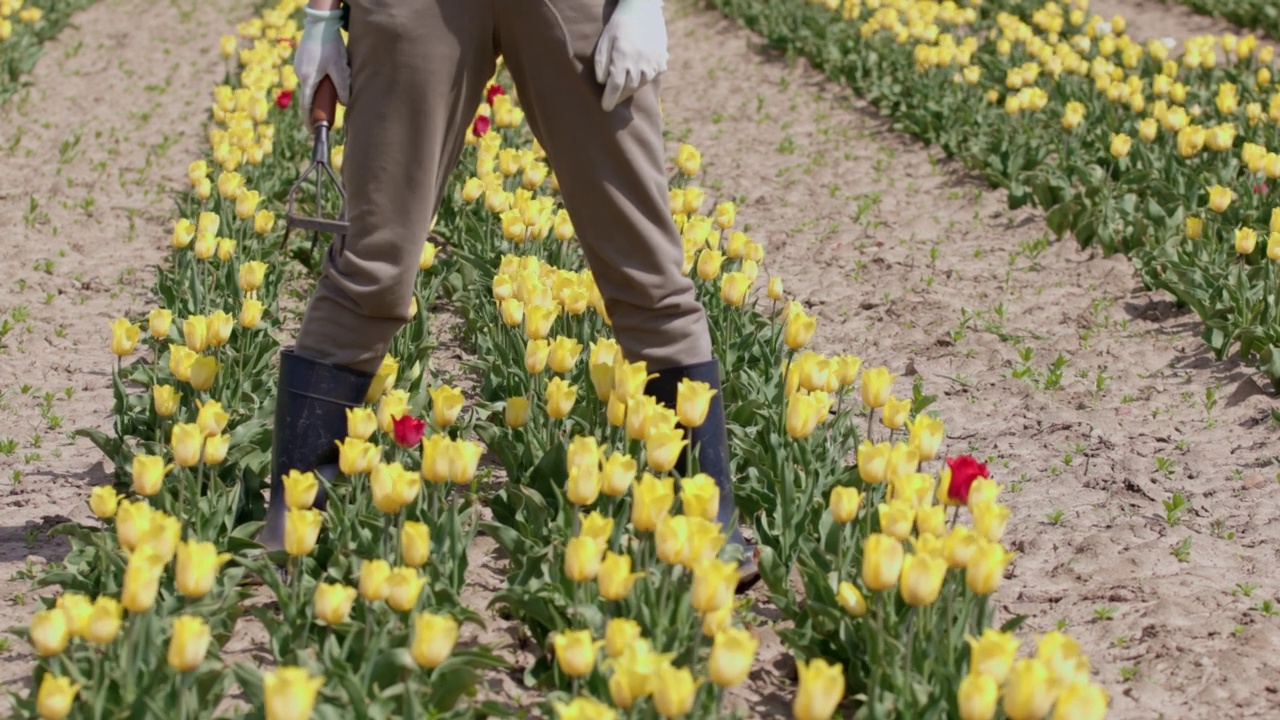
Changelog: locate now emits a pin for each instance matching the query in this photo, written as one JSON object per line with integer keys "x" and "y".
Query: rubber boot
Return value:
{"x": 311, "y": 418}
{"x": 711, "y": 442}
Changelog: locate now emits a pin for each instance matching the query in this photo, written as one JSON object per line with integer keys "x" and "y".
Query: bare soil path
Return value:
{"x": 91, "y": 153}
{"x": 910, "y": 264}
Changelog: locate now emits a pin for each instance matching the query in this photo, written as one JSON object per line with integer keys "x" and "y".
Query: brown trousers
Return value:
{"x": 419, "y": 69}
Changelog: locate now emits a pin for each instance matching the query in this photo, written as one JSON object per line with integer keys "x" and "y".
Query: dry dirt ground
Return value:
{"x": 908, "y": 263}
{"x": 90, "y": 152}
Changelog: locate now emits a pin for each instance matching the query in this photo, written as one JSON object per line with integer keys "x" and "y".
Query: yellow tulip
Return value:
{"x": 356, "y": 457}
{"x": 614, "y": 579}
{"x": 903, "y": 460}
{"x": 931, "y": 520}
{"x": 211, "y": 419}
{"x": 616, "y": 411}
{"x": 629, "y": 379}
{"x": 989, "y": 520}
{"x": 383, "y": 380}
{"x": 302, "y": 530}
{"x": 1081, "y": 701}
{"x": 203, "y": 372}
{"x": 180, "y": 362}
{"x": 300, "y": 489}
{"x": 851, "y": 599}
{"x": 1148, "y": 129}
{"x": 1120, "y": 145}
{"x": 195, "y": 333}
{"x": 142, "y": 579}
{"x": 515, "y": 413}
{"x": 582, "y": 557}
{"x": 219, "y": 326}
{"x": 774, "y": 289}
{"x": 104, "y": 619}
{"x": 48, "y": 632}
{"x": 1219, "y": 198}
{"x": 76, "y": 609}
{"x": 896, "y": 518}
{"x": 985, "y": 568}
{"x": 734, "y": 287}
{"x": 802, "y": 415}
{"x": 433, "y": 639}
{"x": 1027, "y": 693}
{"x": 993, "y": 653}
{"x": 263, "y": 221}
{"x": 576, "y": 652}
{"x": 583, "y": 708}
{"x": 187, "y": 443}
{"x": 688, "y": 159}
{"x": 674, "y": 691}
{"x": 895, "y": 413}
{"x": 189, "y": 643}
{"x": 373, "y": 579}
{"x": 662, "y": 448}
{"x": 693, "y": 401}
{"x": 921, "y": 580}
{"x": 798, "y": 329}
{"x": 672, "y": 539}
{"x": 1195, "y": 228}
{"x": 651, "y": 501}
{"x": 925, "y": 436}
{"x": 882, "y": 558}
{"x": 159, "y": 321}
{"x": 183, "y": 232}
{"x": 333, "y": 603}
{"x": 563, "y": 354}
{"x": 133, "y": 520}
{"x": 290, "y": 693}
{"x": 732, "y": 653}
{"x": 53, "y": 700}
{"x": 709, "y": 262}
{"x": 821, "y": 688}
{"x": 536, "y": 354}
{"x": 124, "y": 336}
{"x": 1273, "y": 246}
{"x": 560, "y": 398}
{"x": 959, "y": 546}
{"x": 876, "y": 385}
{"x": 699, "y": 497}
{"x": 437, "y": 453}
{"x": 196, "y": 568}
{"x": 404, "y": 585}
{"x": 978, "y": 697}
{"x": 538, "y": 318}
{"x": 165, "y": 400}
{"x": 873, "y": 461}
{"x": 1246, "y": 240}
{"x": 415, "y": 543}
{"x": 619, "y": 633}
{"x": 393, "y": 405}
{"x": 714, "y": 582}
{"x": 103, "y": 501}
{"x": 617, "y": 474}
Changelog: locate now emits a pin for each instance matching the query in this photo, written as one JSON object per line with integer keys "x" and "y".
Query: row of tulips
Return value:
{"x": 1172, "y": 159}
{"x": 1261, "y": 15}
{"x": 615, "y": 567}
{"x": 25, "y": 25}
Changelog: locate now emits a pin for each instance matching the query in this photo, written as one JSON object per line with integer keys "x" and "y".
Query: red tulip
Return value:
{"x": 481, "y": 126}
{"x": 494, "y": 91}
{"x": 284, "y": 98}
{"x": 964, "y": 470}
{"x": 408, "y": 430}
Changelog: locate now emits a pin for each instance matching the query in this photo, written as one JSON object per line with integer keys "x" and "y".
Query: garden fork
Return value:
{"x": 323, "y": 110}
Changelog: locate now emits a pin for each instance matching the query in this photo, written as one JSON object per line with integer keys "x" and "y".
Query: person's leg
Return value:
{"x": 418, "y": 71}
{"x": 611, "y": 170}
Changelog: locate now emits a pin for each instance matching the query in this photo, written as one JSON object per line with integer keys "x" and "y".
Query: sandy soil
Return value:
{"x": 90, "y": 154}
{"x": 908, "y": 263}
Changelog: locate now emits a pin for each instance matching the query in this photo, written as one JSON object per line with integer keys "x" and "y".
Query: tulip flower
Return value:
{"x": 158, "y": 322}
{"x": 671, "y": 539}
{"x": 693, "y": 400}
{"x": 993, "y": 653}
{"x": 662, "y": 448}
{"x": 290, "y": 693}
{"x": 219, "y": 326}
{"x": 774, "y": 289}
{"x": 189, "y": 643}
{"x": 714, "y": 582}
{"x": 575, "y": 652}
{"x": 55, "y": 696}
{"x": 921, "y": 579}
{"x": 356, "y": 457}
{"x": 1246, "y": 240}
{"x": 515, "y": 413}
{"x": 302, "y": 530}
{"x": 407, "y": 430}
{"x": 165, "y": 400}
{"x": 103, "y": 501}
{"x": 187, "y": 443}
{"x": 383, "y": 380}
{"x": 433, "y": 639}
{"x": 629, "y": 379}
{"x": 989, "y": 520}
{"x": 1120, "y": 145}
{"x": 1081, "y": 701}
{"x": 404, "y": 585}
{"x": 415, "y": 543}
{"x": 1220, "y": 198}
{"x": 104, "y": 619}
{"x": 896, "y": 518}
{"x": 392, "y": 405}
{"x": 895, "y": 413}
{"x": 1028, "y": 693}
{"x": 446, "y": 403}
{"x": 48, "y": 632}
{"x": 538, "y": 318}
{"x": 142, "y": 579}
{"x": 821, "y": 688}
{"x": 333, "y": 603}
{"x": 844, "y": 503}
{"x": 700, "y": 497}
{"x": 563, "y": 354}
{"x": 583, "y": 708}
{"x": 76, "y": 609}
{"x": 183, "y": 232}
{"x": 250, "y": 313}
{"x": 674, "y": 691}
{"x": 851, "y": 599}
{"x": 619, "y": 633}
{"x": 798, "y": 329}
{"x": 582, "y": 557}
{"x": 615, "y": 579}
{"x": 985, "y": 568}
{"x": 196, "y": 568}
{"x": 300, "y": 489}
{"x": 732, "y": 653}
{"x": 978, "y": 697}
{"x": 464, "y": 460}
{"x": 373, "y": 579}
{"x": 124, "y": 336}
{"x": 882, "y": 558}
{"x": 560, "y": 398}
{"x": 876, "y": 385}
{"x": 931, "y": 520}
{"x": 203, "y": 371}
{"x": 652, "y": 500}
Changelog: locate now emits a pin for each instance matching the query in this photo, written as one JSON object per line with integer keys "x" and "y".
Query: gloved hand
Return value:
{"x": 632, "y": 50}
{"x": 321, "y": 52}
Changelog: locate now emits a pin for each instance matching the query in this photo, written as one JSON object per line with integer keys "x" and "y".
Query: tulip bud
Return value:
{"x": 103, "y": 501}
{"x": 104, "y": 621}
{"x": 415, "y": 543}
{"x": 433, "y": 639}
{"x": 620, "y": 633}
{"x": 196, "y": 568}
{"x": 404, "y": 585}
{"x": 821, "y": 688}
{"x": 289, "y": 692}
{"x": 732, "y": 653}
{"x": 48, "y": 632}
{"x": 844, "y": 503}
{"x": 576, "y": 652}
{"x": 373, "y": 579}
{"x": 189, "y": 643}
{"x": 56, "y": 694}
{"x": 302, "y": 530}
{"x": 333, "y": 603}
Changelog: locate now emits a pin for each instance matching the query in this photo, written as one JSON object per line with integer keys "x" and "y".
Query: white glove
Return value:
{"x": 632, "y": 50}
{"x": 321, "y": 52}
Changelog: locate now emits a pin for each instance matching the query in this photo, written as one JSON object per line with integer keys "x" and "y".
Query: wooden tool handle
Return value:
{"x": 324, "y": 106}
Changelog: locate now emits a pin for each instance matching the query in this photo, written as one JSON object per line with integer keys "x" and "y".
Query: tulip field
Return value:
{"x": 888, "y": 534}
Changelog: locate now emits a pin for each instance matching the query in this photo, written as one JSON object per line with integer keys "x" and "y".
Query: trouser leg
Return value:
{"x": 418, "y": 71}
{"x": 610, "y": 166}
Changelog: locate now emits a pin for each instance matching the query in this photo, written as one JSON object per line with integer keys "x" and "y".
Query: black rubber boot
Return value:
{"x": 711, "y": 442}
{"x": 311, "y": 418}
